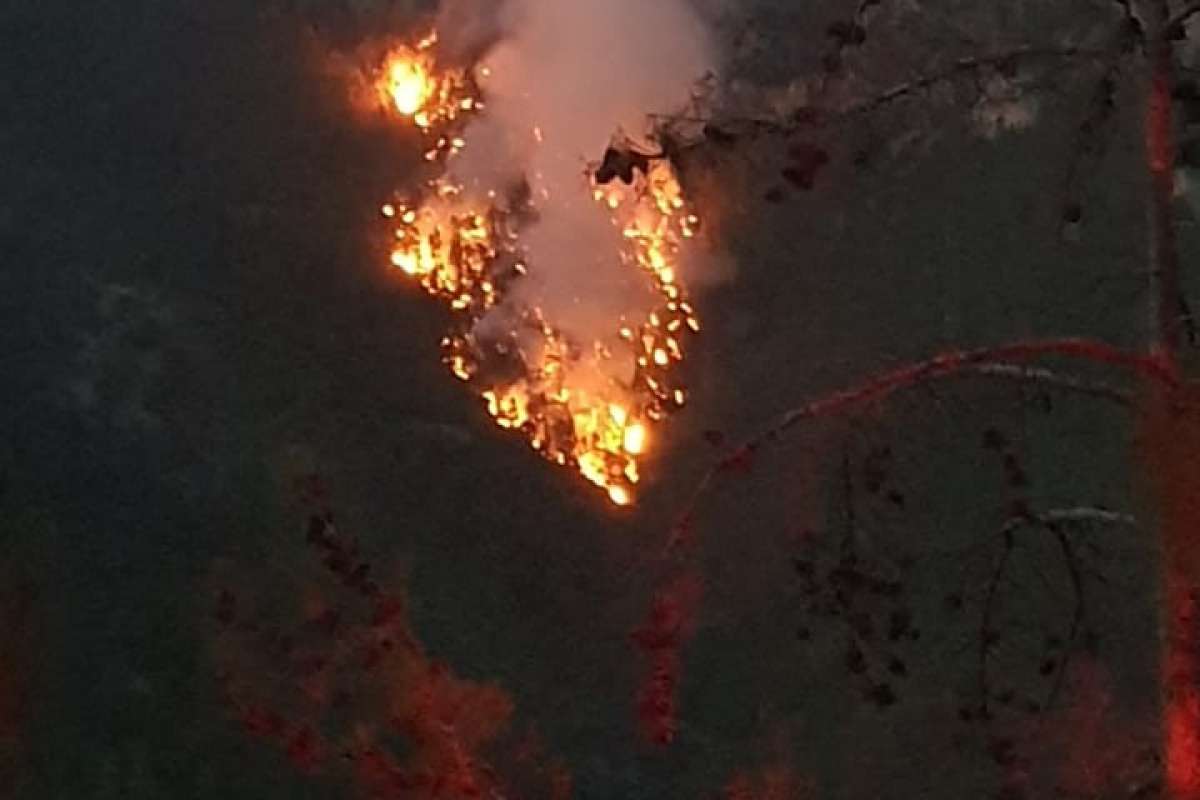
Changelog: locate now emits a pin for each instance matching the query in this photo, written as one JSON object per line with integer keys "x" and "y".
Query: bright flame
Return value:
{"x": 409, "y": 86}
{"x": 635, "y": 439}
{"x": 575, "y": 402}
{"x": 412, "y": 85}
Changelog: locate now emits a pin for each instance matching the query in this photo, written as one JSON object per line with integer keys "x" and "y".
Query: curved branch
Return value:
{"x": 1052, "y": 521}
{"x": 950, "y": 364}
{"x": 953, "y": 362}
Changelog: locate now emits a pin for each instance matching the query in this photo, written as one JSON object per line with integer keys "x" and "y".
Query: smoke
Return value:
{"x": 561, "y": 78}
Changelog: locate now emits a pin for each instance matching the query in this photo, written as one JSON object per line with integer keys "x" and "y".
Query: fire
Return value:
{"x": 409, "y": 86}
{"x": 449, "y": 247}
{"x": 413, "y": 85}
{"x": 586, "y": 405}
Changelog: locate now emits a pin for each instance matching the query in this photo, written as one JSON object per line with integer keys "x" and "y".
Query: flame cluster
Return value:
{"x": 589, "y": 406}
{"x": 432, "y": 98}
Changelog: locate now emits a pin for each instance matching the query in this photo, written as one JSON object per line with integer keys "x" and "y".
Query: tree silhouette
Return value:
{"x": 1141, "y": 45}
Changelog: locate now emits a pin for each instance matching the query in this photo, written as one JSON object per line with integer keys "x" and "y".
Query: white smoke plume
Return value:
{"x": 561, "y": 78}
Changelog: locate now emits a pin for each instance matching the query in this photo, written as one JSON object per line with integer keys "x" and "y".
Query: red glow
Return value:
{"x": 772, "y": 783}
{"x": 661, "y": 638}
{"x": 332, "y": 689}
{"x": 1170, "y": 448}
{"x": 1181, "y": 686}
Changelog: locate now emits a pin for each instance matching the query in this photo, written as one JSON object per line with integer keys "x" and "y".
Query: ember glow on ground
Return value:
{"x": 585, "y": 405}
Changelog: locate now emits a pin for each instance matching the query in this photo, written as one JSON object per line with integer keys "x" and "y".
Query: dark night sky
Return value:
{"x": 192, "y": 308}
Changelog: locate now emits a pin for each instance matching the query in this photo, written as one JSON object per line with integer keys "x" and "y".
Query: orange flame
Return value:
{"x": 411, "y": 84}
{"x": 588, "y": 406}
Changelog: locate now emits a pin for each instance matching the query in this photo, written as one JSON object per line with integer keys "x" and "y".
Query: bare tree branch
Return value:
{"x": 951, "y": 364}
{"x": 1132, "y": 18}
{"x": 1055, "y": 380}
{"x": 816, "y": 116}
{"x": 1052, "y": 521}
{"x": 1093, "y": 131}
{"x": 1186, "y": 13}
{"x": 970, "y": 65}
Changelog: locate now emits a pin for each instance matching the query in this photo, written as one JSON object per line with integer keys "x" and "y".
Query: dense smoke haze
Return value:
{"x": 561, "y": 79}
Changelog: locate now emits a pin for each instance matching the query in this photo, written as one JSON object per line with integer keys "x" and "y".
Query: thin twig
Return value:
{"x": 1072, "y": 563}
{"x": 817, "y": 116}
{"x": 986, "y": 631}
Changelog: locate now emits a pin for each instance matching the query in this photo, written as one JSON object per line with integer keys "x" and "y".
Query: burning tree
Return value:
{"x": 586, "y": 402}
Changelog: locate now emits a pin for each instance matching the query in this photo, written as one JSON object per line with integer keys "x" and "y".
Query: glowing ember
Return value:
{"x": 589, "y": 406}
